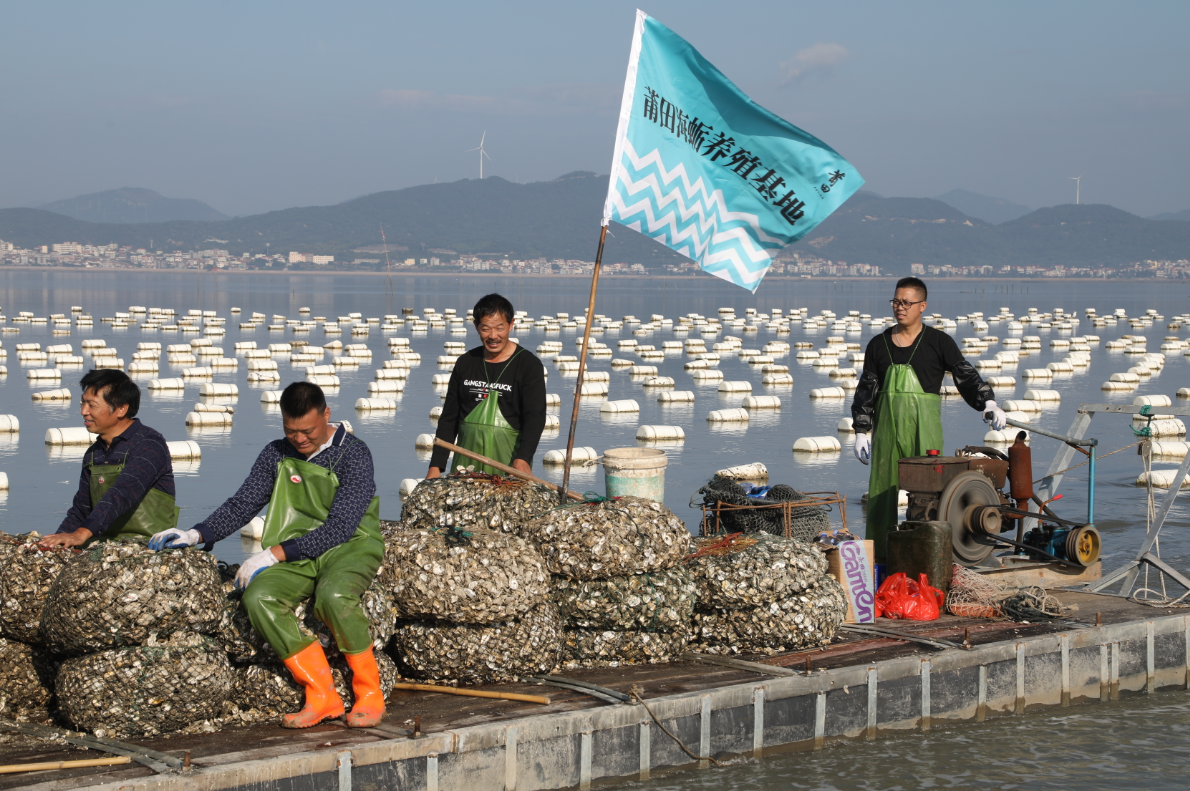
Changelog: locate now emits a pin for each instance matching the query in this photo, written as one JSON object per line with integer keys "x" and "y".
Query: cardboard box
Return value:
{"x": 842, "y": 566}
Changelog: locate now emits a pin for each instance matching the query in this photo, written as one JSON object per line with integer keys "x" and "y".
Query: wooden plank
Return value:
{"x": 1042, "y": 575}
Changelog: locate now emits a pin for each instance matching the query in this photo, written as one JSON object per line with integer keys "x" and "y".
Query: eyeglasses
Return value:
{"x": 904, "y": 303}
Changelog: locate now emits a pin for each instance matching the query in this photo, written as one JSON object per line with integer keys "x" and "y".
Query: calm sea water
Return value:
{"x": 1140, "y": 744}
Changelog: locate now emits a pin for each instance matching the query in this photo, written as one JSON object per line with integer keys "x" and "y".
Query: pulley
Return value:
{"x": 964, "y": 505}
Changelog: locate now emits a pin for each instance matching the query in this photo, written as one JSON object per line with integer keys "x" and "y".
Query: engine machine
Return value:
{"x": 966, "y": 491}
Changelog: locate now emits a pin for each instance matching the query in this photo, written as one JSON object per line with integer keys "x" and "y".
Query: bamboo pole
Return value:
{"x": 582, "y": 360}
{"x": 503, "y": 467}
{"x": 8, "y": 769}
{"x": 472, "y": 693}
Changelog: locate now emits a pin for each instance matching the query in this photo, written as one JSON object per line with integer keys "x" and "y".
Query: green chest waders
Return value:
{"x": 908, "y": 423}
{"x": 486, "y": 432}
{"x": 302, "y": 496}
{"x": 155, "y": 512}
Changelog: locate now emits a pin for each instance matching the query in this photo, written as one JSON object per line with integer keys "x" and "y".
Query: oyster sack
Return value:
{"x": 26, "y": 681}
{"x": 607, "y": 648}
{"x": 805, "y": 523}
{"x": 609, "y": 538}
{"x": 121, "y": 593}
{"x": 475, "y": 653}
{"x": 26, "y": 576}
{"x": 264, "y": 692}
{"x": 802, "y": 620}
{"x": 738, "y": 572}
{"x": 659, "y": 601}
{"x": 144, "y": 691}
{"x": 463, "y": 576}
{"x": 474, "y": 500}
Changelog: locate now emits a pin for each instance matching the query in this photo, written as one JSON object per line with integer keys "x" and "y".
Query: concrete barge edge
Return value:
{"x": 574, "y": 749}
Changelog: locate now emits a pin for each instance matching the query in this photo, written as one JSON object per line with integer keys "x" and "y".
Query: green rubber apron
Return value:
{"x": 302, "y": 496}
{"x": 486, "y": 432}
{"x": 908, "y": 423}
{"x": 155, "y": 512}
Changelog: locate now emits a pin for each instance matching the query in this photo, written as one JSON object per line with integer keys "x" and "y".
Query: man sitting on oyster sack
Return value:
{"x": 321, "y": 539}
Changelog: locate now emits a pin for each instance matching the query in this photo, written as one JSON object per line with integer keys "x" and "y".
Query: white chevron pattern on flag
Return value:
{"x": 665, "y": 205}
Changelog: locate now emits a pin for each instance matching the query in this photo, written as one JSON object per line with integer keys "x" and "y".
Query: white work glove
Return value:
{"x": 995, "y": 415}
{"x": 174, "y": 539}
{"x": 253, "y": 566}
{"x": 863, "y": 447}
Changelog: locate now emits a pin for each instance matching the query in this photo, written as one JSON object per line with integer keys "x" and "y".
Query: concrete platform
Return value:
{"x": 857, "y": 688}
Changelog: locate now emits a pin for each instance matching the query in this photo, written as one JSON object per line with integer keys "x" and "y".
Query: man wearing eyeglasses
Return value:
{"x": 897, "y": 411}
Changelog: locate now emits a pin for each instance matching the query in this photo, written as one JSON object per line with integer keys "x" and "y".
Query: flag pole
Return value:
{"x": 582, "y": 360}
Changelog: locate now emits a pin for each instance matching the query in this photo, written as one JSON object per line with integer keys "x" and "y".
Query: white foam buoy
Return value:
{"x": 738, "y": 415}
{"x": 1167, "y": 449}
{"x": 1152, "y": 400}
{"x": 43, "y": 373}
{"x": 1112, "y": 387}
{"x": 735, "y": 387}
{"x": 745, "y": 472}
{"x": 440, "y": 379}
{"x": 828, "y": 392}
{"x": 1021, "y": 405}
{"x": 69, "y": 435}
{"x": 323, "y": 380}
{"x": 9, "y": 424}
{"x": 659, "y": 381}
{"x": 1005, "y": 437}
{"x": 1038, "y": 373}
{"x": 218, "y": 389}
{"x": 846, "y": 426}
{"x": 777, "y": 379}
{"x": 386, "y": 386}
{"x": 555, "y": 458}
{"x": 271, "y": 396}
{"x": 1169, "y": 427}
{"x": 424, "y": 441}
{"x": 762, "y": 402}
{"x": 707, "y": 375}
{"x": 208, "y": 419}
{"x": 61, "y": 394}
{"x": 372, "y": 404}
{"x": 660, "y": 433}
{"x": 676, "y": 397}
{"x": 593, "y": 389}
{"x": 264, "y": 376}
{"x": 407, "y": 486}
{"x": 200, "y": 372}
{"x": 627, "y": 405}
{"x": 1161, "y": 479}
{"x": 184, "y": 449}
{"x": 817, "y": 445}
{"x": 167, "y": 384}
{"x": 1043, "y": 396}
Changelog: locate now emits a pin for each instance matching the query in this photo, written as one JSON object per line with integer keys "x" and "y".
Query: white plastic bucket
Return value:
{"x": 635, "y": 472}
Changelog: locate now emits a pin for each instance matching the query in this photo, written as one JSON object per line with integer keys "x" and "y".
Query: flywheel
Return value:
{"x": 966, "y": 490}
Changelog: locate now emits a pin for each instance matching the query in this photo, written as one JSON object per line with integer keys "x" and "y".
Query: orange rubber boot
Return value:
{"x": 365, "y": 683}
{"x": 310, "y": 669}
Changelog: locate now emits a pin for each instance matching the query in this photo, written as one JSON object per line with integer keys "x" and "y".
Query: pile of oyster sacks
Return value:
{"x": 482, "y": 581}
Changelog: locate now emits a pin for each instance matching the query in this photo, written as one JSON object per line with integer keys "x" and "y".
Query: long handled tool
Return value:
{"x": 473, "y": 693}
{"x": 9, "y": 769}
{"x": 504, "y": 468}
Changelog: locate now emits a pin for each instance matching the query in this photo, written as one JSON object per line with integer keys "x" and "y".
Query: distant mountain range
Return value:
{"x": 1183, "y": 215}
{"x": 129, "y": 205}
{"x": 560, "y": 219}
{"x": 993, "y": 210}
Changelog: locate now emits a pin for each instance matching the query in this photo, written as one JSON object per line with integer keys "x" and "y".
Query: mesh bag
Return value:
{"x": 476, "y": 576}
{"x": 119, "y": 593}
{"x": 803, "y": 620}
{"x": 609, "y": 538}
{"x": 603, "y": 648}
{"x": 145, "y": 691}
{"x": 805, "y": 523}
{"x": 26, "y": 681}
{"x": 262, "y": 693}
{"x": 749, "y": 571}
{"x": 474, "y": 500}
{"x": 26, "y": 575}
{"x": 658, "y": 602}
{"x": 471, "y": 653}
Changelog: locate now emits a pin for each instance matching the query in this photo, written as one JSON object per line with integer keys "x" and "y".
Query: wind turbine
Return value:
{"x": 1077, "y": 184}
{"x": 482, "y": 153}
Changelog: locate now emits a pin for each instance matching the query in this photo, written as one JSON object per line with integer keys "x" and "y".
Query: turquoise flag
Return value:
{"x": 709, "y": 173}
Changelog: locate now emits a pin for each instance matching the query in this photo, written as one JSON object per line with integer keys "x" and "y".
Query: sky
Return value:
{"x": 259, "y": 106}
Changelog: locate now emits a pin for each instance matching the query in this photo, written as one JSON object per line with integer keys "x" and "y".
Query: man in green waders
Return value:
{"x": 127, "y": 485}
{"x": 321, "y": 539}
{"x": 495, "y": 402}
{"x": 897, "y": 412}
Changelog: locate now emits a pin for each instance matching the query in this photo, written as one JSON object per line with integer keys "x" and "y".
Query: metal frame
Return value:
{"x": 1126, "y": 575}
{"x": 787, "y": 507}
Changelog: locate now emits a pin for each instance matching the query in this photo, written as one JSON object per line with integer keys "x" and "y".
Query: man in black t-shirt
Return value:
{"x": 495, "y": 402}
{"x": 897, "y": 411}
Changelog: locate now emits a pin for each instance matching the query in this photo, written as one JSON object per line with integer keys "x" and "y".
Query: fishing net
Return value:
{"x": 26, "y": 575}
{"x": 605, "y": 648}
{"x": 805, "y": 523}
{"x": 119, "y": 593}
{"x": 661, "y": 601}
{"x": 609, "y": 538}
{"x": 802, "y": 620}
{"x": 146, "y": 690}
{"x": 463, "y": 576}
{"x": 262, "y": 693}
{"x": 26, "y": 681}
{"x": 473, "y": 653}
{"x": 973, "y": 595}
{"x": 737, "y": 572}
{"x": 472, "y": 500}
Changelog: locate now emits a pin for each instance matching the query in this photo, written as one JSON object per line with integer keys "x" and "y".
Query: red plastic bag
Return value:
{"x": 901, "y": 597}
